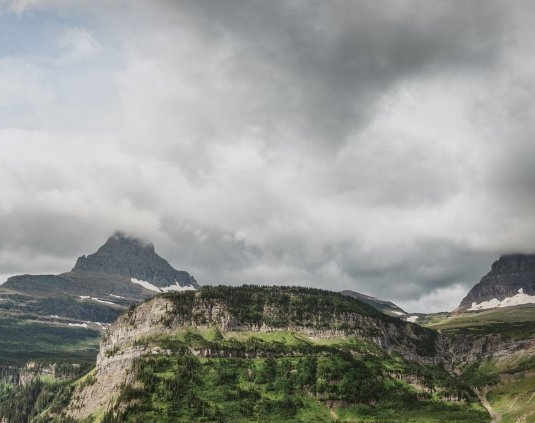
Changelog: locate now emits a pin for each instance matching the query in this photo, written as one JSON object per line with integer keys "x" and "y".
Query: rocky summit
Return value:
{"x": 510, "y": 282}
{"x": 123, "y": 271}
{"x": 132, "y": 258}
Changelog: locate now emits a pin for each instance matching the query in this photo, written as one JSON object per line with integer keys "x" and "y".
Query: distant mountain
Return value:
{"x": 131, "y": 258}
{"x": 122, "y": 272}
{"x": 510, "y": 282}
{"x": 386, "y": 307}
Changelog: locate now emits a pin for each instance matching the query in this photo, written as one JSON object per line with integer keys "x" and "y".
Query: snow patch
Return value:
{"x": 398, "y": 313}
{"x": 177, "y": 287}
{"x": 116, "y": 296}
{"x": 412, "y": 319}
{"x": 87, "y": 323}
{"x": 515, "y": 300}
{"x": 87, "y": 297}
{"x": 151, "y": 287}
{"x": 146, "y": 285}
{"x": 104, "y": 325}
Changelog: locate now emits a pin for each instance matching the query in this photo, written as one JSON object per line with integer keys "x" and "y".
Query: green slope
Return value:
{"x": 283, "y": 376}
{"x": 506, "y": 377}
{"x": 512, "y": 321}
{"x": 24, "y": 339}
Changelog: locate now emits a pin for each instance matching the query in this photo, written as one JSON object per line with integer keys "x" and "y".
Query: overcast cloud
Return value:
{"x": 380, "y": 146}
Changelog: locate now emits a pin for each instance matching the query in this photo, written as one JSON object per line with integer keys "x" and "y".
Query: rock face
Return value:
{"x": 508, "y": 276}
{"x": 129, "y": 257}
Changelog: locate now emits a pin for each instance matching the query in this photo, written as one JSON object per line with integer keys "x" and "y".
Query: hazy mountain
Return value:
{"x": 383, "y": 306}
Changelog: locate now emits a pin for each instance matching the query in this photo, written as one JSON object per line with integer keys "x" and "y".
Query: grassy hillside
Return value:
{"x": 505, "y": 377}
{"x": 507, "y": 382}
{"x": 501, "y": 320}
{"x": 23, "y": 340}
{"x": 70, "y": 350}
{"x": 285, "y": 376}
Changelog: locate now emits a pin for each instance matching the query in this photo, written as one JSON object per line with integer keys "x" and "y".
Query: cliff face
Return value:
{"x": 118, "y": 350}
{"x": 308, "y": 314}
{"x": 507, "y": 276}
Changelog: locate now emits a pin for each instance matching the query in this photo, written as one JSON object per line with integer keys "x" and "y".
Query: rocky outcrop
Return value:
{"x": 507, "y": 276}
{"x": 57, "y": 371}
{"x": 118, "y": 350}
{"x": 9, "y": 374}
{"x": 31, "y": 370}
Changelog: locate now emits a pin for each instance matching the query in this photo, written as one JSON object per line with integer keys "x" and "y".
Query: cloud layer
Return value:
{"x": 383, "y": 147}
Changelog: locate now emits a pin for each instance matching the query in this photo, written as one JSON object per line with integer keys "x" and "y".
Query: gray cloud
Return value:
{"x": 378, "y": 146}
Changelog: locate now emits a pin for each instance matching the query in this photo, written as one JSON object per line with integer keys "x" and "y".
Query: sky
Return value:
{"x": 382, "y": 146}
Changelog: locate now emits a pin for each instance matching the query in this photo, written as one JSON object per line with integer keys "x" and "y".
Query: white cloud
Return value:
{"x": 78, "y": 44}
{"x": 22, "y": 84}
{"x": 440, "y": 299}
{"x": 361, "y": 148}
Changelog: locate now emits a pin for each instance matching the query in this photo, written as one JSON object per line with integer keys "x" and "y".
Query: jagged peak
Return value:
{"x": 132, "y": 257}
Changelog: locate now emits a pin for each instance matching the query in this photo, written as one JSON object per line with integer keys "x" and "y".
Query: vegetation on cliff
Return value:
{"x": 277, "y": 354}
{"x": 285, "y": 377}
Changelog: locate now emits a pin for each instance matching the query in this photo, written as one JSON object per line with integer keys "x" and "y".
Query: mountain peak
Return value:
{"x": 510, "y": 276}
{"x": 131, "y": 257}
